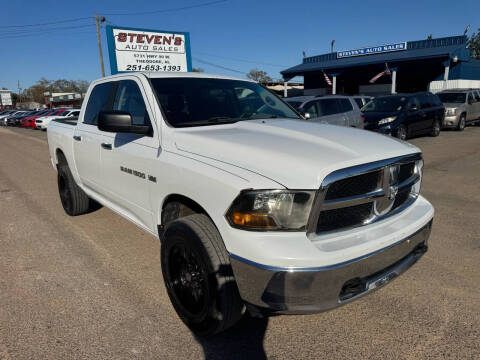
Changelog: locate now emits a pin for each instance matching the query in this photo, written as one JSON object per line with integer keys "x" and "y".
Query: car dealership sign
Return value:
{"x": 372, "y": 50}
{"x": 148, "y": 50}
{"x": 5, "y": 98}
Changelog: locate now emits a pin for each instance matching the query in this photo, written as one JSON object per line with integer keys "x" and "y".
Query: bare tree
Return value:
{"x": 259, "y": 75}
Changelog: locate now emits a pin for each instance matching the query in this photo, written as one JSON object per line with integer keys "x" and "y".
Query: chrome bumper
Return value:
{"x": 451, "y": 121}
{"x": 309, "y": 290}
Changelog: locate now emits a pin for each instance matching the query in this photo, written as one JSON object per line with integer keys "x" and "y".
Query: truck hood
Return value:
{"x": 297, "y": 154}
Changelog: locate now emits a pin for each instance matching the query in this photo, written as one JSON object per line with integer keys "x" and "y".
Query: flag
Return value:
{"x": 376, "y": 77}
{"x": 379, "y": 75}
{"x": 327, "y": 79}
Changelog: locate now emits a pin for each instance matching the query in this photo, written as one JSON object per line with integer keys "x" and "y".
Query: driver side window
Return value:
{"x": 129, "y": 99}
{"x": 311, "y": 108}
{"x": 414, "y": 103}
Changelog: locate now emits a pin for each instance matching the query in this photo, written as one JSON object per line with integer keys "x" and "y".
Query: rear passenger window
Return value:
{"x": 359, "y": 102}
{"x": 130, "y": 99}
{"x": 345, "y": 105}
{"x": 435, "y": 100}
{"x": 99, "y": 100}
{"x": 328, "y": 107}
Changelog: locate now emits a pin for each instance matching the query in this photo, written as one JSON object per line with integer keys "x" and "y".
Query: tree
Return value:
{"x": 474, "y": 44}
{"x": 35, "y": 92}
{"x": 259, "y": 75}
{"x": 198, "y": 70}
{"x": 430, "y": 37}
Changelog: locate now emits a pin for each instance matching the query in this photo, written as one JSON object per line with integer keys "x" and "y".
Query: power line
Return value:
{"x": 167, "y": 10}
{"x": 42, "y": 32}
{"x": 34, "y": 31}
{"x": 48, "y": 23}
{"x": 241, "y": 60}
{"x": 218, "y": 66}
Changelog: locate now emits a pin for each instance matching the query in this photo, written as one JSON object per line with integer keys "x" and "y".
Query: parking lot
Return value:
{"x": 91, "y": 286}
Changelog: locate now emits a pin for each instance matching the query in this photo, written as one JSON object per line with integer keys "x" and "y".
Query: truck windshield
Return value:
{"x": 207, "y": 101}
{"x": 386, "y": 104}
{"x": 458, "y": 98}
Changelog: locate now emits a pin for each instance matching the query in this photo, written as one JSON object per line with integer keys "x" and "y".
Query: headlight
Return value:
{"x": 419, "y": 171}
{"x": 387, "y": 120}
{"x": 271, "y": 210}
{"x": 451, "y": 111}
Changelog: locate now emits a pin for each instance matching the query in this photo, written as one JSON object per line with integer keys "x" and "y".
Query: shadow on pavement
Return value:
{"x": 243, "y": 341}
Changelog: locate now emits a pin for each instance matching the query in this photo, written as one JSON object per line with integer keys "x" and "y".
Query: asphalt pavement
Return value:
{"x": 90, "y": 287}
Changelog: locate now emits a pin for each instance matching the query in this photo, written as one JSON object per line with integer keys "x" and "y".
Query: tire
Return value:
{"x": 461, "y": 123}
{"x": 435, "y": 130}
{"x": 402, "y": 132}
{"x": 73, "y": 198}
{"x": 198, "y": 276}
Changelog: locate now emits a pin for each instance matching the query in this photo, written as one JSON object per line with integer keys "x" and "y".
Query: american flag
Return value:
{"x": 379, "y": 75}
{"x": 327, "y": 79}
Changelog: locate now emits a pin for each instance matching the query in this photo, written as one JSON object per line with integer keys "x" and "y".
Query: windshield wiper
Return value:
{"x": 222, "y": 119}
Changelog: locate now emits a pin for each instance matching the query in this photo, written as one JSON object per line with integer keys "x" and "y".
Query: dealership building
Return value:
{"x": 432, "y": 64}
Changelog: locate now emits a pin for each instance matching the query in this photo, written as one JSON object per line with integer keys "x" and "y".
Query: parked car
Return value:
{"x": 362, "y": 100}
{"x": 405, "y": 115}
{"x": 331, "y": 109}
{"x": 17, "y": 120}
{"x": 256, "y": 209}
{"x": 29, "y": 122}
{"x": 43, "y": 121}
{"x": 462, "y": 107}
{"x": 10, "y": 119}
{"x": 6, "y": 114}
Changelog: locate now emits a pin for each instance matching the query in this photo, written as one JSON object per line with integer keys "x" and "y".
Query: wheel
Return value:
{"x": 402, "y": 132}
{"x": 198, "y": 276}
{"x": 461, "y": 123}
{"x": 435, "y": 131}
{"x": 74, "y": 200}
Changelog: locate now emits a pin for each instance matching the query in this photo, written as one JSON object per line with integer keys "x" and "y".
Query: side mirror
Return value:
{"x": 413, "y": 108}
{"x": 307, "y": 115}
{"x": 470, "y": 101}
{"x": 120, "y": 122}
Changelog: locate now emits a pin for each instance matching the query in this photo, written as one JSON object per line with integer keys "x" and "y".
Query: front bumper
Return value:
{"x": 451, "y": 121}
{"x": 309, "y": 290}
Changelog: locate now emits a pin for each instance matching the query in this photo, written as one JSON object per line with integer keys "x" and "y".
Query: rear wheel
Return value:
{"x": 435, "y": 131}
{"x": 198, "y": 276}
{"x": 402, "y": 132}
{"x": 73, "y": 198}
{"x": 461, "y": 123}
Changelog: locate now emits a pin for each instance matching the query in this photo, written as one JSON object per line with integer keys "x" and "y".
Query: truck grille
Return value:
{"x": 363, "y": 194}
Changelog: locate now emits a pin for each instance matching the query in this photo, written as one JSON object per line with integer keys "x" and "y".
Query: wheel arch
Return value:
{"x": 188, "y": 206}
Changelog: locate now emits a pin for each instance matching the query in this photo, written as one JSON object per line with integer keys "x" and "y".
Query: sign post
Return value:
{"x": 131, "y": 49}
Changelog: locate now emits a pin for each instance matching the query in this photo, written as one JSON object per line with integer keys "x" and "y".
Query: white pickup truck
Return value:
{"x": 256, "y": 208}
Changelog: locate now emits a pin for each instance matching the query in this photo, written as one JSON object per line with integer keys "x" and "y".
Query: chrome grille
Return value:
{"x": 364, "y": 194}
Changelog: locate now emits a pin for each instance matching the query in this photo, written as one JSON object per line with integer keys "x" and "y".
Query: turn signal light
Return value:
{"x": 253, "y": 220}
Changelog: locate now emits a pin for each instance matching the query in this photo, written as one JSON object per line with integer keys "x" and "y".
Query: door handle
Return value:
{"x": 77, "y": 138}
{"x": 107, "y": 146}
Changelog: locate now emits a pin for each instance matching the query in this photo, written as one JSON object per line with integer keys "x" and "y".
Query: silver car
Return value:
{"x": 330, "y": 109}
{"x": 462, "y": 107}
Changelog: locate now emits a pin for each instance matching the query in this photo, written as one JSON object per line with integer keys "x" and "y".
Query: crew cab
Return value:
{"x": 256, "y": 208}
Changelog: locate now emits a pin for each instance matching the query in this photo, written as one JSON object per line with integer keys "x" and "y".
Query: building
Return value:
{"x": 54, "y": 100}
{"x": 280, "y": 87}
{"x": 432, "y": 64}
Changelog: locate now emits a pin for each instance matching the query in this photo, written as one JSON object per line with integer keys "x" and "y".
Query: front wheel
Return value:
{"x": 198, "y": 276}
{"x": 402, "y": 132}
{"x": 461, "y": 123}
{"x": 435, "y": 131}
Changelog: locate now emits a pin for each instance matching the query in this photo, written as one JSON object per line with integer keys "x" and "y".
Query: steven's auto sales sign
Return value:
{"x": 148, "y": 50}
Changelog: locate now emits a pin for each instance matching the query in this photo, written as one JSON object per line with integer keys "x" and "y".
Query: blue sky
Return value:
{"x": 239, "y": 34}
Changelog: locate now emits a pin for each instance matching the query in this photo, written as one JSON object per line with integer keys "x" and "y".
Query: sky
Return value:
{"x": 269, "y": 35}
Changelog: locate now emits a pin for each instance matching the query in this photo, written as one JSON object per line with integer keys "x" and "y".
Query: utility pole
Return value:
{"x": 97, "y": 20}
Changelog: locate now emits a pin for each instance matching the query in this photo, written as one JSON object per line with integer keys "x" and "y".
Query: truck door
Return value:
{"x": 129, "y": 160}
{"x": 471, "y": 107}
{"x": 87, "y": 138}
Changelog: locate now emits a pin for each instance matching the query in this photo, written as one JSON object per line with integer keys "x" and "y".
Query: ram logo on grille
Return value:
{"x": 390, "y": 185}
